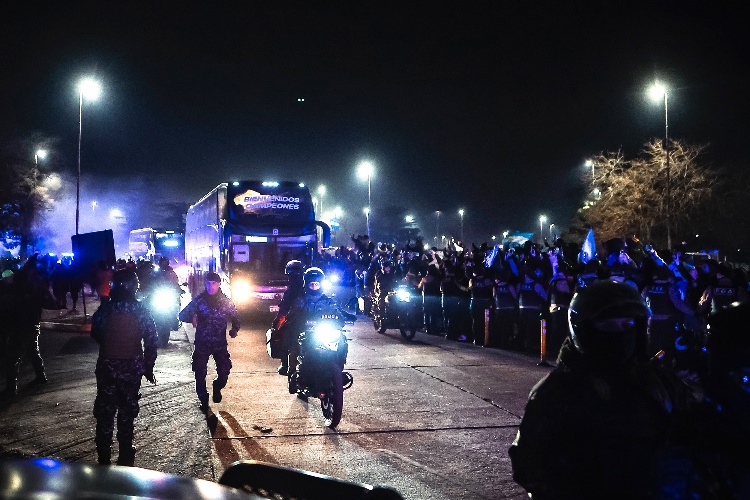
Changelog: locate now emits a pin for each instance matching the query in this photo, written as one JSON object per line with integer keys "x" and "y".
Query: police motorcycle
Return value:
{"x": 243, "y": 480}
{"x": 402, "y": 310}
{"x": 164, "y": 305}
{"x": 319, "y": 370}
{"x": 163, "y": 299}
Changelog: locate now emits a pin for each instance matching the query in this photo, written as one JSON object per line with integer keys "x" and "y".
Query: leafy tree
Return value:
{"x": 629, "y": 197}
{"x": 25, "y": 194}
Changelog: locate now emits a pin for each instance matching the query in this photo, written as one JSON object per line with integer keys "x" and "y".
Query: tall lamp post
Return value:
{"x": 322, "y": 193}
{"x": 365, "y": 172}
{"x": 658, "y": 92}
{"x": 461, "y": 214}
{"x": 90, "y": 89}
{"x": 542, "y": 220}
{"x": 437, "y": 225}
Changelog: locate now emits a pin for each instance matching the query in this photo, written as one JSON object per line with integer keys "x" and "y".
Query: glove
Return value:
{"x": 233, "y": 333}
{"x": 150, "y": 376}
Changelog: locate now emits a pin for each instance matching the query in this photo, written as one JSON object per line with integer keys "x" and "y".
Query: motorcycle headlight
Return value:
{"x": 241, "y": 290}
{"x": 163, "y": 299}
{"x": 327, "y": 335}
{"x": 326, "y": 285}
{"x": 335, "y": 278}
{"x": 403, "y": 295}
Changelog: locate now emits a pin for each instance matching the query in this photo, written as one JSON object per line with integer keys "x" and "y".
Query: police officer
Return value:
{"x": 209, "y": 313}
{"x": 480, "y": 288}
{"x": 294, "y": 270}
{"x": 505, "y": 307}
{"x": 595, "y": 425}
{"x": 27, "y": 294}
{"x": 310, "y": 304}
{"x": 120, "y": 326}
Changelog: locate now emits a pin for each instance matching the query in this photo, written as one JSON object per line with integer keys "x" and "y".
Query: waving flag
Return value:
{"x": 588, "y": 249}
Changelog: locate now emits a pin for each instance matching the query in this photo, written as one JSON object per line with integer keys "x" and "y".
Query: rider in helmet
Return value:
{"x": 311, "y": 304}
{"x": 603, "y": 404}
{"x": 294, "y": 270}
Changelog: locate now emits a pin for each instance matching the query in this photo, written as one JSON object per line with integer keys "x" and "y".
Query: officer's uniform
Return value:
{"x": 212, "y": 313}
{"x": 120, "y": 327}
{"x": 480, "y": 287}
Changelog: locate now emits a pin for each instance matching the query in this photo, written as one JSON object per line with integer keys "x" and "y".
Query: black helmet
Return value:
{"x": 294, "y": 267}
{"x": 608, "y": 323}
{"x": 313, "y": 275}
{"x": 124, "y": 284}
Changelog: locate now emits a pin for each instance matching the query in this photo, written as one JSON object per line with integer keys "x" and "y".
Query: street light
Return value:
{"x": 364, "y": 170}
{"x": 658, "y": 91}
{"x": 322, "y": 193}
{"x": 542, "y": 220}
{"x": 40, "y": 154}
{"x": 461, "y": 214}
{"x": 91, "y": 89}
{"x": 437, "y": 225}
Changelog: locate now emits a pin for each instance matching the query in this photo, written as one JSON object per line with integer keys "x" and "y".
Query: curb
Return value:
{"x": 66, "y": 327}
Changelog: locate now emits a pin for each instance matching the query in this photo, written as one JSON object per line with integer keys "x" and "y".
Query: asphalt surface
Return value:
{"x": 431, "y": 418}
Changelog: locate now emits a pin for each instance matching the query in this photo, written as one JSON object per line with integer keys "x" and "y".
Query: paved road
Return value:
{"x": 431, "y": 418}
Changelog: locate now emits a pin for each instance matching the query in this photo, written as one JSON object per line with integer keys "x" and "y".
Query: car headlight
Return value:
{"x": 403, "y": 295}
{"x": 241, "y": 290}
{"x": 163, "y": 299}
{"x": 327, "y": 335}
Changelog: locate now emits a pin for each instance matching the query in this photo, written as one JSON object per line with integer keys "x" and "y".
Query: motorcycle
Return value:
{"x": 319, "y": 369}
{"x": 402, "y": 309}
{"x": 164, "y": 304}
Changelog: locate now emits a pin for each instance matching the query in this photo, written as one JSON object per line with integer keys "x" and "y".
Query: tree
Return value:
{"x": 25, "y": 194}
{"x": 629, "y": 197}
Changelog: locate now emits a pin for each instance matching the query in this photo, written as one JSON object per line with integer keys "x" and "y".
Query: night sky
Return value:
{"x": 478, "y": 106}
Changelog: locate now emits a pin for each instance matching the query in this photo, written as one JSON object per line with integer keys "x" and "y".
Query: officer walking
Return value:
{"x": 127, "y": 339}
{"x": 209, "y": 313}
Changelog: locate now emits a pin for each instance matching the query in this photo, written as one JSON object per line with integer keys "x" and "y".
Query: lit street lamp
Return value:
{"x": 437, "y": 225}
{"x": 461, "y": 214}
{"x": 90, "y": 89}
{"x": 550, "y": 233}
{"x": 365, "y": 171}
{"x": 657, "y": 92}
{"x": 542, "y": 220}
{"x": 40, "y": 154}
{"x": 322, "y": 193}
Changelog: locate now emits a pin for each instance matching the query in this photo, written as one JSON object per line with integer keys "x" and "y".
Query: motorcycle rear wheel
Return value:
{"x": 332, "y": 403}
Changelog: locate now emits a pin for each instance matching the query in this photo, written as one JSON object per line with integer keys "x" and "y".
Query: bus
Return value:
{"x": 151, "y": 244}
{"x": 247, "y": 231}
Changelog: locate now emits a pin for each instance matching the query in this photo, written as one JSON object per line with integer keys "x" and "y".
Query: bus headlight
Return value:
{"x": 241, "y": 290}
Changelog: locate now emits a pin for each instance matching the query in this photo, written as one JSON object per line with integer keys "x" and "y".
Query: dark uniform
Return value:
{"x": 210, "y": 314}
{"x": 287, "y": 329}
{"x": 480, "y": 287}
{"x": 560, "y": 295}
{"x": 505, "y": 310}
{"x": 430, "y": 286}
{"x": 127, "y": 341}
{"x": 27, "y": 295}
{"x": 532, "y": 296}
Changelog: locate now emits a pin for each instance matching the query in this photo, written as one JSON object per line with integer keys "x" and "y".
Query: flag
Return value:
{"x": 588, "y": 249}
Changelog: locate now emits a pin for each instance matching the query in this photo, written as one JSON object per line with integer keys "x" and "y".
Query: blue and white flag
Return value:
{"x": 588, "y": 249}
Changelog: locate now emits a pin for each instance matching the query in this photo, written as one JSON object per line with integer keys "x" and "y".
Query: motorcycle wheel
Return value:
{"x": 379, "y": 324}
{"x": 163, "y": 334}
{"x": 332, "y": 403}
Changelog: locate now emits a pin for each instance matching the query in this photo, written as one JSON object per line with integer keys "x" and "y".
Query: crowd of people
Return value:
{"x": 527, "y": 289}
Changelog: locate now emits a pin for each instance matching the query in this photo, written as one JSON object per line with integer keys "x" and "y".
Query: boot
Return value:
{"x": 283, "y": 367}
{"x": 216, "y": 393}
{"x": 127, "y": 454}
{"x": 40, "y": 379}
{"x": 203, "y": 403}
{"x": 105, "y": 455}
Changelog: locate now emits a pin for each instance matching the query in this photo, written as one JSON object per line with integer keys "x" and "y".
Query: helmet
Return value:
{"x": 294, "y": 267}
{"x": 313, "y": 275}
{"x": 124, "y": 284}
{"x": 608, "y": 323}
